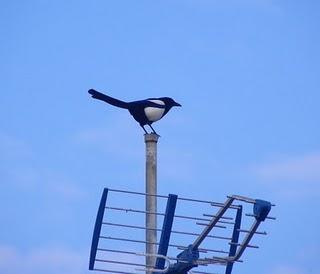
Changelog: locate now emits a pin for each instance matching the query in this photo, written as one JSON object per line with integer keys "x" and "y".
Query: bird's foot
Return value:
{"x": 153, "y": 131}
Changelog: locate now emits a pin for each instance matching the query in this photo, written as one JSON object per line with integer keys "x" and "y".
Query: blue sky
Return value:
{"x": 247, "y": 75}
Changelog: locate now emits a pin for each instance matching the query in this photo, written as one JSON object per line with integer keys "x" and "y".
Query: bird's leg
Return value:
{"x": 144, "y": 129}
{"x": 153, "y": 129}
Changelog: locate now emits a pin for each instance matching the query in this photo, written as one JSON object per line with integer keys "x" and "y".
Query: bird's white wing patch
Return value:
{"x": 159, "y": 102}
{"x": 153, "y": 113}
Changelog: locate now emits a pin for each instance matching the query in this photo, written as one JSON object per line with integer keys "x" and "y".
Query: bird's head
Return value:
{"x": 169, "y": 102}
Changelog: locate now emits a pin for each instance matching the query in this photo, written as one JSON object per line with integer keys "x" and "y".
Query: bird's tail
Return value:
{"x": 112, "y": 101}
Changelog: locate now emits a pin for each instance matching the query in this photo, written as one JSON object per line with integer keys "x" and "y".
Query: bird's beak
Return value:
{"x": 177, "y": 104}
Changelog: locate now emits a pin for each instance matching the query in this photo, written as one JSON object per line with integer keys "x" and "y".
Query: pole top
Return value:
{"x": 151, "y": 137}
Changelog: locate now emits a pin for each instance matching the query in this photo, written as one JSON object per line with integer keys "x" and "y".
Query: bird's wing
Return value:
{"x": 112, "y": 101}
{"x": 153, "y": 102}
{"x": 145, "y": 103}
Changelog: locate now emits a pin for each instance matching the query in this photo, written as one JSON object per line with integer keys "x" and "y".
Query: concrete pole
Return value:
{"x": 151, "y": 201}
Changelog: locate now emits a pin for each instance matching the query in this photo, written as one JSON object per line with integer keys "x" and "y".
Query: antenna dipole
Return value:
{"x": 151, "y": 199}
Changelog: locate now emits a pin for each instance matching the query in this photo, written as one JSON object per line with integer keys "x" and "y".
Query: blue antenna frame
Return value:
{"x": 97, "y": 229}
{"x": 189, "y": 258}
{"x": 166, "y": 230}
{"x": 235, "y": 239}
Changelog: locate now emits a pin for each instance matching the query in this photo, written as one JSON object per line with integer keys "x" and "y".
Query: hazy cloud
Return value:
{"x": 298, "y": 168}
{"x": 43, "y": 260}
{"x": 117, "y": 137}
{"x": 296, "y": 176}
{"x": 13, "y": 147}
{"x": 19, "y": 171}
{"x": 267, "y": 5}
{"x": 31, "y": 179}
{"x": 286, "y": 269}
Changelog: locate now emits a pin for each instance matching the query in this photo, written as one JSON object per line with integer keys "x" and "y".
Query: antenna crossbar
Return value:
{"x": 180, "y": 247}
{"x": 163, "y": 214}
{"x": 113, "y": 271}
{"x": 216, "y": 204}
{"x": 158, "y": 229}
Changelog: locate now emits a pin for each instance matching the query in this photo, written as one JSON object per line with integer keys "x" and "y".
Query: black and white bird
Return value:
{"x": 145, "y": 112}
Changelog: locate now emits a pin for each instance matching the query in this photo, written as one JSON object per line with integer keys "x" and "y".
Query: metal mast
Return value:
{"x": 151, "y": 198}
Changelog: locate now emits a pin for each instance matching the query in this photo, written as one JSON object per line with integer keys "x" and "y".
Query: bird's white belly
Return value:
{"x": 153, "y": 114}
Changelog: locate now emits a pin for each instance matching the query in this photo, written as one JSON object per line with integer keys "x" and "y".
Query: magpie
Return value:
{"x": 145, "y": 112}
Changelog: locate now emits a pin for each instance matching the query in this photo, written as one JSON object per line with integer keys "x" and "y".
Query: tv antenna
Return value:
{"x": 195, "y": 236}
